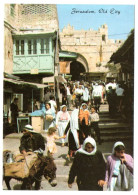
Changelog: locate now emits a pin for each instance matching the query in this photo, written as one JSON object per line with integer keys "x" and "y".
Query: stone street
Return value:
{"x": 12, "y": 142}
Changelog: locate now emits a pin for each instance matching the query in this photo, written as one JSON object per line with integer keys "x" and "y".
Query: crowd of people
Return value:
{"x": 89, "y": 166}
{"x": 80, "y": 131}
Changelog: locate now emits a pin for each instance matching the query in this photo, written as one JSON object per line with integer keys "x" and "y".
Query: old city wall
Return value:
{"x": 93, "y": 45}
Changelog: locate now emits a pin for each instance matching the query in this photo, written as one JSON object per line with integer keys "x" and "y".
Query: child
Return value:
{"x": 94, "y": 119}
{"x": 119, "y": 169}
{"x": 51, "y": 137}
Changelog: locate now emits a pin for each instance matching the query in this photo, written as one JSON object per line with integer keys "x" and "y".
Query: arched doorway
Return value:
{"x": 75, "y": 69}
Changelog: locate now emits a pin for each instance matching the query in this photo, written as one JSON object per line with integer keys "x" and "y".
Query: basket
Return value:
{"x": 49, "y": 118}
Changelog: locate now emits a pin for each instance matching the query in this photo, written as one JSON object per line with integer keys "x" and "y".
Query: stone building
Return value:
{"x": 30, "y": 50}
{"x": 93, "y": 48}
{"x": 30, "y": 32}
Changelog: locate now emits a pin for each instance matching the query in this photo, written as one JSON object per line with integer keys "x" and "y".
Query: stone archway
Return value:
{"x": 75, "y": 69}
{"x": 83, "y": 61}
{"x": 78, "y": 66}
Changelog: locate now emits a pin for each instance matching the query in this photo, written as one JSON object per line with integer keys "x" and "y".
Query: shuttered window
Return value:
{"x": 32, "y": 46}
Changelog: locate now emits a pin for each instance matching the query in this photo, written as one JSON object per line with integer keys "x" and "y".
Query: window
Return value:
{"x": 42, "y": 46}
{"x": 103, "y": 37}
{"x": 47, "y": 46}
{"x": 34, "y": 47}
{"x": 22, "y": 47}
{"x": 78, "y": 40}
{"x": 17, "y": 47}
{"x": 29, "y": 47}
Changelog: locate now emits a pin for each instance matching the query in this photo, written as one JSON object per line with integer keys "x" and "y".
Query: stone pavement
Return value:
{"x": 12, "y": 142}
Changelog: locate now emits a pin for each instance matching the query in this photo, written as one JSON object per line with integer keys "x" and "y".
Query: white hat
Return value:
{"x": 29, "y": 128}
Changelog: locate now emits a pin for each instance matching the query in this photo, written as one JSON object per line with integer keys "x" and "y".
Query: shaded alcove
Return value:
{"x": 75, "y": 69}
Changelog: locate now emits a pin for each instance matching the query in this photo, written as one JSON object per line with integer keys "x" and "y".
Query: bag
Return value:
{"x": 21, "y": 167}
{"x": 49, "y": 118}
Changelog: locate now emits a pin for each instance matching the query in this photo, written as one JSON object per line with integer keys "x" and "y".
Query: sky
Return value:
{"x": 119, "y": 18}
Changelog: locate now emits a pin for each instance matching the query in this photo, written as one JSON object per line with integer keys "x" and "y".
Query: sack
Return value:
{"x": 21, "y": 167}
{"x": 49, "y": 117}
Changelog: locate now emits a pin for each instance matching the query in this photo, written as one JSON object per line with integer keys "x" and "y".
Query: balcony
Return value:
{"x": 33, "y": 54}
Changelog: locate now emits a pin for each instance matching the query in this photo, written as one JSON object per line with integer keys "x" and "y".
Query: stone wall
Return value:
{"x": 23, "y": 19}
{"x": 93, "y": 45}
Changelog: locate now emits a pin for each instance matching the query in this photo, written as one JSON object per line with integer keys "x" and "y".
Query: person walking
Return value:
{"x": 62, "y": 120}
{"x": 120, "y": 94}
{"x": 86, "y": 96}
{"x": 97, "y": 96}
{"x": 94, "y": 119}
{"x": 31, "y": 141}
{"x": 49, "y": 117}
{"x": 53, "y": 104}
{"x": 68, "y": 97}
{"x": 72, "y": 130}
{"x": 14, "y": 112}
{"x": 84, "y": 115}
{"x": 51, "y": 137}
{"x": 88, "y": 166}
{"x": 111, "y": 99}
{"x": 119, "y": 169}
{"x": 78, "y": 92}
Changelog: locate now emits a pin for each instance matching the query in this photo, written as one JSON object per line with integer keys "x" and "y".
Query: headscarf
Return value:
{"x": 115, "y": 145}
{"x": 63, "y": 107}
{"x": 83, "y": 105}
{"x": 64, "y": 115}
{"x": 92, "y": 142}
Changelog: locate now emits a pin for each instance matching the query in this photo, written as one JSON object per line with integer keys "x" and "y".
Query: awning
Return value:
{"x": 25, "y": 84}
{"x": 26, "y": 32}
{"x": 48, "y": 79}
{"x": 67, "y": 55}
{"x": 60, "y": 79}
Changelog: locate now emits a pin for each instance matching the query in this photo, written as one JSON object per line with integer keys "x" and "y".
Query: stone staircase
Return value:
{"x": 113, "y": 129}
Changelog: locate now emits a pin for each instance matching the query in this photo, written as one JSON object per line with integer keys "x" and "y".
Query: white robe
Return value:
{"x": 62, "y": 124}
{"x": 74, "y": 126}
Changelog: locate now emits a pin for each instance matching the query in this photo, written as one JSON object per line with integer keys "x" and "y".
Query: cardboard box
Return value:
{"x": 37, "y": 123}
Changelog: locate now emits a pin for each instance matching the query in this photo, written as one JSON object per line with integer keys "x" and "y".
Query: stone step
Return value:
{"x": 108, "y": 119}
{"x": 106, "y": 113}
{"x": 117, "y": 138}
{"x": 112, "y": 125}
{"x": 116, "y": 133}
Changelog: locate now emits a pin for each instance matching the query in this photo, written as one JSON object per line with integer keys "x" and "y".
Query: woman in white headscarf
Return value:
{"x": 62, "y": 120}
{"x": 88, "y": 166}
{"x": 119, "y": 163}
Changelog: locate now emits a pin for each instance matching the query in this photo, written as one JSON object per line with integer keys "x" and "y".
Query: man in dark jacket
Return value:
{"x": 31, "y": 141}
{"x": 14, "y": 112}
{"x": 111, "y": 99}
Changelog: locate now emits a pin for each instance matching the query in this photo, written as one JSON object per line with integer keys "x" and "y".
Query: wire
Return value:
{"x": 69, "y": 35}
